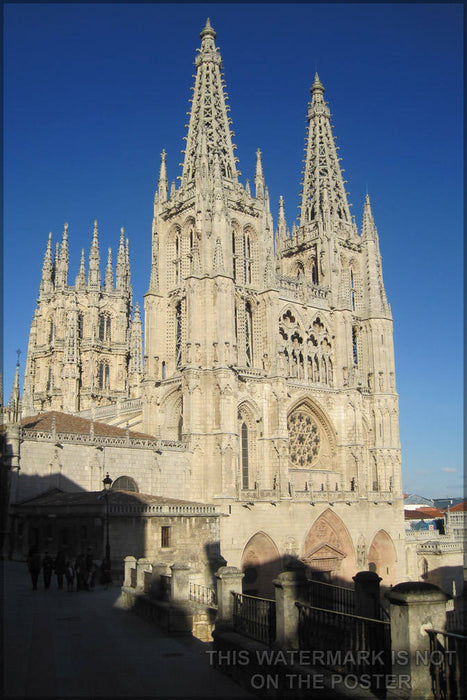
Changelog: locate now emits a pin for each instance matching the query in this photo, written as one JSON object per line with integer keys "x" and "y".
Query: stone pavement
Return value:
{"x": 81, "y": 644}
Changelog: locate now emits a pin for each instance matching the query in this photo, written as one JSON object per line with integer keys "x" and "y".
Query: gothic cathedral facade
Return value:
{"x": 268, "y": 351}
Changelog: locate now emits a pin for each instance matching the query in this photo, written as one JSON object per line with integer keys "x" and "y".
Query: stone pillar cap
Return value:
{"x": 226, "y": 571}
{"x": 367, "y": 577}
{"x": 415, "y": 592}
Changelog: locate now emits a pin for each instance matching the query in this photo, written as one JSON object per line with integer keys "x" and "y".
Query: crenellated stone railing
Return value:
{"x": 163, "y": 509}
{"x": 117, "y": 408}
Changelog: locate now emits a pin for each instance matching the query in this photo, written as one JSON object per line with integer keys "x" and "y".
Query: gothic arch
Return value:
{"x": 247, "y": 435}
{"x": 319, "y": 413}
{"x": 125, "y": 483}
{"x": 382, "y": 557}
{"x": 261, "y": 564}
{"x": 172, "y": 407}
{"x": 328, "y": 547}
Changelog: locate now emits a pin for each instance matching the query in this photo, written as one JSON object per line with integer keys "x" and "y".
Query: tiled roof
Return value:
{"x": 459, "y": 508}
{"x": 421, "y": 514}
{"x": 82, "y": 498}
{"x": 433, "y": 512}
{"x": 66, "y": 423}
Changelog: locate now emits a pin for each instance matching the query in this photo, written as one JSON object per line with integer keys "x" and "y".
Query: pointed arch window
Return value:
{"x": 80, "y": 329}
{"x": 104, "y": 327}
{"x": 104, "y": 376}
{"x": 248, "y": 335}
{"x": 178, "y": 259}
{"x": 234, "y": 257}
{"x": 51, "y": 332}
{"x": 50, "y": 379}
{"x": 355, "y": 345}
{"x": 247, "y": 260}
{"x": 245, "y": 471}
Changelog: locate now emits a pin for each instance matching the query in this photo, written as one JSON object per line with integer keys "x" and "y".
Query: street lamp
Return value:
{"x": 107, "y": 485}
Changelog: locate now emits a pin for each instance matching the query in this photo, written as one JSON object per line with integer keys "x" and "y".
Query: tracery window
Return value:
{"x": 80, "y": 326}
{"x": 352, "y": 290}
{"x": 305, "y": 355}
{"x": 125, "y": 483}
{"x": 304, "y": 437}
{"x": 104, "y": 376}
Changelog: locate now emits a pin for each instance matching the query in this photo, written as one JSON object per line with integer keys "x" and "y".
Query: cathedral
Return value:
{"x": 266, "y": 387}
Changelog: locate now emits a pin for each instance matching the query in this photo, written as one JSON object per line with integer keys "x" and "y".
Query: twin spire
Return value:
{"x": 323, "y": 196}
{"x": 209, "y": 126}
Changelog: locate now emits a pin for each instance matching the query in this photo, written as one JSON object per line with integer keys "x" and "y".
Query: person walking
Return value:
{"x": 34, "y": 565}
{"x": 60, "y": 567}
{"x": 70, "y": 575}
{"x": 47, "y": 568}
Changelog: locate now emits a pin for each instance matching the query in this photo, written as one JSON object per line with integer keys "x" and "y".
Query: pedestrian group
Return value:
{"x": 83, "y": 570}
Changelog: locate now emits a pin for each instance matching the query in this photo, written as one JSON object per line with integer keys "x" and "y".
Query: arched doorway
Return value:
{"x": 382, "y": 557}
{"x": 328, "y": 551}
{"x": 261, "y": 564}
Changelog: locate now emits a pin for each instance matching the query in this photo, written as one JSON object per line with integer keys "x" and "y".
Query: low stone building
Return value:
{"x": 162, "y": 529}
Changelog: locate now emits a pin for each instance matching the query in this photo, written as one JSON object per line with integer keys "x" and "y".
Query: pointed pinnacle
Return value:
{"x": 208, "y": 30}
{"x": 317, "y": 85}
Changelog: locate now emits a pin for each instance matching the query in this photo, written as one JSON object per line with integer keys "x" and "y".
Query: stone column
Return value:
{"x": 367, "y": 601}
{"x": 180, "y": 589}
{"x": 289, "y": 587}
{"x": 414, "y": 607}
{"x": 158, "y": 568}
{"x": 130, "y": 563}
{"x": 229, "y": 580}
{"x": 142, "y": 565}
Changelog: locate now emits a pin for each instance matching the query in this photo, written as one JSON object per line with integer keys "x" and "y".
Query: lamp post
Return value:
{"x": 107, "y": 485}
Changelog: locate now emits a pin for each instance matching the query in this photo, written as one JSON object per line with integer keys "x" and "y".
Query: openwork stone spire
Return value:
{"x": 209, "y": 115}
{"x": 94, "y": 275}
{"x": 323, "y": 194}
{"x": 47, "y": 269}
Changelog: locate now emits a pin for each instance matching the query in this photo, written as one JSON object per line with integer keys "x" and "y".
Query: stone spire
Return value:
{"x": 209, "y": 113}
{"x": 109, "y": 280}
{"x": 135, "y": 366}
{"x": 375, "y": 296}
{"x": 120, "y": 273}
{"x": 14, "y": 404}
{"x": 94, "y": 275}
{"x": 127, "y": 265}
{"x": 46, "y": 285}
{"x": 55, "y": 261}
{"x": 61, "y": 271}
{"x": 81, "y": 276}
{"x": 259, "y": 177}
{"x": 323, "y": 195}
{"x": 163, "y": 184}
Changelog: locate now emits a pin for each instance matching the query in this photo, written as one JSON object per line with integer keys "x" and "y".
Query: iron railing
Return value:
{"x": 203, "y": 594}
{"x": 448, "y": 659}
{"x": 330, "y": 597}
{"x": 350, "y": 644}
{"x": 254, "y": 617}
{"x": 165, "y": 586}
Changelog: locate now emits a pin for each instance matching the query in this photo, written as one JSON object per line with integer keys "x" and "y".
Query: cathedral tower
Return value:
{"x": 82, "y": 339}
{"x": 272, "y": 355}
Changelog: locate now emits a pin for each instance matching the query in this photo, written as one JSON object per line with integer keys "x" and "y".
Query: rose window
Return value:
{"x": 304, "y": 439}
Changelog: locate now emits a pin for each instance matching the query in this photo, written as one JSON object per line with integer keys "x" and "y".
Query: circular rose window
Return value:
{"x": 304, "y": 438}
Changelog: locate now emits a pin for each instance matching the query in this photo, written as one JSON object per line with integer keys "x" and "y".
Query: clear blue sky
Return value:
{"x": 94, "y": 92}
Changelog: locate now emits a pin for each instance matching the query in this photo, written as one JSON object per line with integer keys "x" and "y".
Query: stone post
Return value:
{"x": 414, "y": 607}
{"x": 367, "y": 601}
{"x": 229, "y": 580}
{"x": 142, "y": 565}
{"x": 180, "y": 590}
{"x": 289, "y": 587}
{"x": 158, "y": 568}
{"x": 130, "y": 563}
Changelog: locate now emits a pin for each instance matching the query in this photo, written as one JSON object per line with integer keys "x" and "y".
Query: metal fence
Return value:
{"x": 330, "y": 597}
{"x": 203, "y": 594}
{"x": 448, "y": 660}
{"x": 349, "y": 643}
{"x": 254, "y": 617}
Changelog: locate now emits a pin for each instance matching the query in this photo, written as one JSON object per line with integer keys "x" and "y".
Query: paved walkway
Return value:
{"x": 81, "y": 644}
